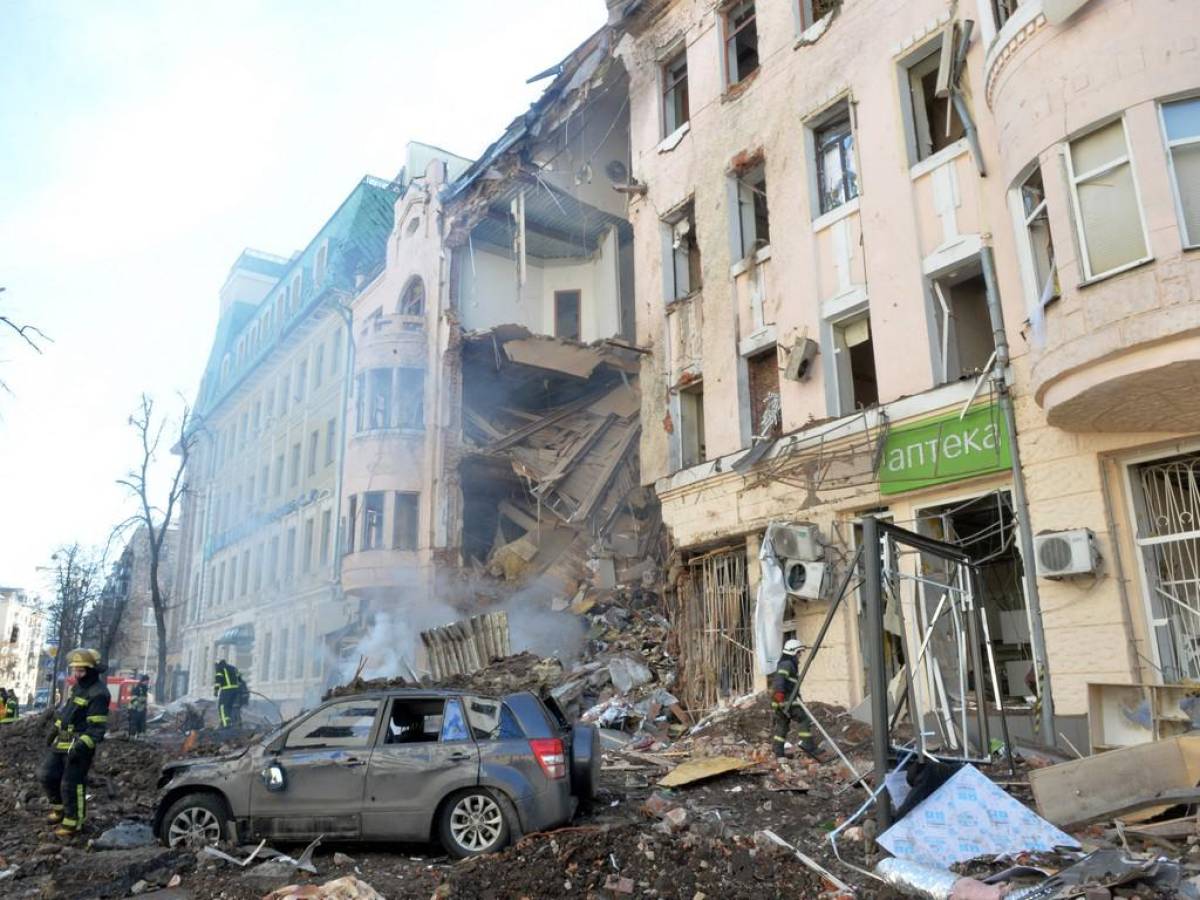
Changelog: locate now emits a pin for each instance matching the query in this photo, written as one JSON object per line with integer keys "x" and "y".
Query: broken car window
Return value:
{"x": 344, "y": 725}
{"x": 492, "y": 720}
{"x": 415, "y": 721}
{"x": 454, "y": 724}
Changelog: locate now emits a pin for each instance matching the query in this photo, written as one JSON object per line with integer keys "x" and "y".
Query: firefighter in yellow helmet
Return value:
{"x": 79, "y": 728}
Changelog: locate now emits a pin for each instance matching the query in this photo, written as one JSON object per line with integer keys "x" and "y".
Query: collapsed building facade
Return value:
{"x": 932, "y": 262}
{"x": 443, "y": 421}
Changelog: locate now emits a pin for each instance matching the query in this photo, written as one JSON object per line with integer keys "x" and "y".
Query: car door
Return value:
{"x": 423, "y": 752}
{"x": 324, "y": 761}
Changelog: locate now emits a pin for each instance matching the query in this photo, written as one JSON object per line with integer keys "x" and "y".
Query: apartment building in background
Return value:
{"x": 22, "y": 636}
{"x": 258, "y": 536}
{"x": 846, "y": 206}
{"x": 121, "y": 624}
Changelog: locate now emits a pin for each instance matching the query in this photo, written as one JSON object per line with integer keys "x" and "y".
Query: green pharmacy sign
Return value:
{"x": 944, "y": 449}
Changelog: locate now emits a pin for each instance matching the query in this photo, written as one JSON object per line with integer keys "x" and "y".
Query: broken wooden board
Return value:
{"x": 700, "y": 769}
{"x": 1132, "y": 780}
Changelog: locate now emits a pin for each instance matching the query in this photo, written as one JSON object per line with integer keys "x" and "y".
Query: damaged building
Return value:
{"x": 445, "y": 420}
{"x": 886, "y": 267}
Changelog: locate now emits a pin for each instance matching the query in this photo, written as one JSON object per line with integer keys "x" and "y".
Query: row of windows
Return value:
{"x": 1109, "y": 223}
{"x": 366, "y": 526}
{"x": 291, "y": 390}
{"x": 234, "y": 506}
{"x": 272, "y": 563}
{"x": 285, "y": 657}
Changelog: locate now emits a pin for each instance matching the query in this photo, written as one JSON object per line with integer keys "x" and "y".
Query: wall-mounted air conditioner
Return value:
{"x": 1060, "y": 554}
{"x": 800, "y": 542}
{"x": 805, "y": 580}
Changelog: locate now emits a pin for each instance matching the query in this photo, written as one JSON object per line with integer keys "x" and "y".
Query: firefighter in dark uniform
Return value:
{"x": 227, "y": 688}
{"x": 10, "y": 710}
{"x": 138, "y": 698}
{"x": 78, "y": 730}
{"x": 784, "y": 697}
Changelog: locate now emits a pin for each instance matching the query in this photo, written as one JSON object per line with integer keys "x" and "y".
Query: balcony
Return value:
{"x": 1124, "y": 354}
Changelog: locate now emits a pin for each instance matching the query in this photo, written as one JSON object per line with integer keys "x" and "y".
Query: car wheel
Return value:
{"x": 473, "y": 822}
{"x": 194, "y": 820}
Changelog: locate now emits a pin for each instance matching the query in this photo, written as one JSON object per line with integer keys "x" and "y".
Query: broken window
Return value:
{"x": 295, "y": 465}
{"x": 935, "y": 121}
{"x": 425, "y": 722}
{"x": 372, "y": 536}
{"x": 854, "y": 365}
{"x": 309, "y": 530}
{"x": 675, "y": 92}
{"x": 1108, "y": 215}
{"x": 1181, "y": 120}
{"x": 566, "y": 314}
{"x": 813, "y": 11}
{"x": 1037, "y": 233}
{"x": 691, "y": 425}
{"x": 379, "y": 399}
{"x": 412, "y": 299}
{"x": 411, "y": 391}
{"x": 964, "y": 323}
{"x": 326, "y": 527}
{"x": 753, "y": 222}
{"x": 351, "y": 524}
{"x": 1003, "y": 10}
{"x": 330, "y": 441}
{"x": 289, "y": 570}
{"x": 314, "y": 440}
{"x": 837, "y": 174}
{"x": 763, "y": 377}
{"x": 346, "y": 725}
{"x": 741, "y": 42}
{"x": 404, "y": 528}
{"x": 684, "y": 263}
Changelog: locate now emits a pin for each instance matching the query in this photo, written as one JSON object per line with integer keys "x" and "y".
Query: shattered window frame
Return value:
{"x": 676, "y": 110}
{"x": 1035, "y": 231}
{"x": 410, "y": 394}
{"x": 1181, "y": 133}
{"x": 834, "y": 146}
{"x": 846, "y": 384}
{"x": 753, "y": 209}
{"x": 692, "y": 447}
{"x": 412, "y": 298}
{"x": 684, "y": 260}
{"x": 741, "y": 41}
{"x": 928, "y": 113}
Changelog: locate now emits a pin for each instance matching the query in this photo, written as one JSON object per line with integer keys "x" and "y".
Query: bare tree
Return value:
{"x": 77, "y": 573}
{"x": 154, "y": 518}
{"x": 30, "y": 334}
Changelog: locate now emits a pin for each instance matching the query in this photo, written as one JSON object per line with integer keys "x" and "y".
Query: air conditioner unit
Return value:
{"x": 1063, "y": 553}
{"x": 800, "y": 542}
{"x": 800, "y": 358}
{"x": 805, "y": 580}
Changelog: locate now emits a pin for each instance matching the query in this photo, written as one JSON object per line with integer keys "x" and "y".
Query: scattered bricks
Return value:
{"x": 619, "y": 884}
{"x": 658, "y": 805}
{"x": 676, "y": 819}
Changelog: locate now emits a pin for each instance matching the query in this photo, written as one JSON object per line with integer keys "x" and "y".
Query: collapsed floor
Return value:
{"x": 732, "y": 834}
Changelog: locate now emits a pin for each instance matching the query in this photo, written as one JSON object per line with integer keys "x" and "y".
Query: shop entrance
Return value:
{"x": 986, "y": 528}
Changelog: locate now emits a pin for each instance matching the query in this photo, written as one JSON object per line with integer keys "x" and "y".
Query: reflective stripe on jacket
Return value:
{"x": 83, "y": 717}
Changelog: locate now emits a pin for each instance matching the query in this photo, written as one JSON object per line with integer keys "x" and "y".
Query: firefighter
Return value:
{"x": 785, "y": 695}
{"x": 9, "y": 708}
{"x": 78, "y": 730}
{"x": 138, "y": 698}
{"x": 227, "y": 687}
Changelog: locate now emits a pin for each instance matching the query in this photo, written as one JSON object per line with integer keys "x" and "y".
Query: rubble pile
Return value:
{"x": 628, "y": 860}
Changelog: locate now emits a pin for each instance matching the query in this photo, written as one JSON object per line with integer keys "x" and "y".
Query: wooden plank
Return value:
{"x": 1117, "y": 782}
{"x": 700, "y": 769}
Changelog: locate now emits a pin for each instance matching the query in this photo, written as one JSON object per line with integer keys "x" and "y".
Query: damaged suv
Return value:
{"x": 397, "y": 765}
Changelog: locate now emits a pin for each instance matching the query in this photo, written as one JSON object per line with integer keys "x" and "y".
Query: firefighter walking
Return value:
{"x": 79, "y": 728}
{"x": 10, "y": 709}
{"x": 785, "y": 696}
{"x": 228, "y": 689}
{"x": 139, "y": 696}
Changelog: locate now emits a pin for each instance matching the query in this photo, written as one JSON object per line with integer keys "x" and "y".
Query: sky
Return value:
{"x": 144, "y": 144}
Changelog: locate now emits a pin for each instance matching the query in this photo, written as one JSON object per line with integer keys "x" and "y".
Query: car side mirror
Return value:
{"x": 274, "y": 778}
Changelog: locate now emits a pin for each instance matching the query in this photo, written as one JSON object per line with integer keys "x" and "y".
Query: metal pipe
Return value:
{"x": 1020, "y": 501}
{"x": 873, "y": 607}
